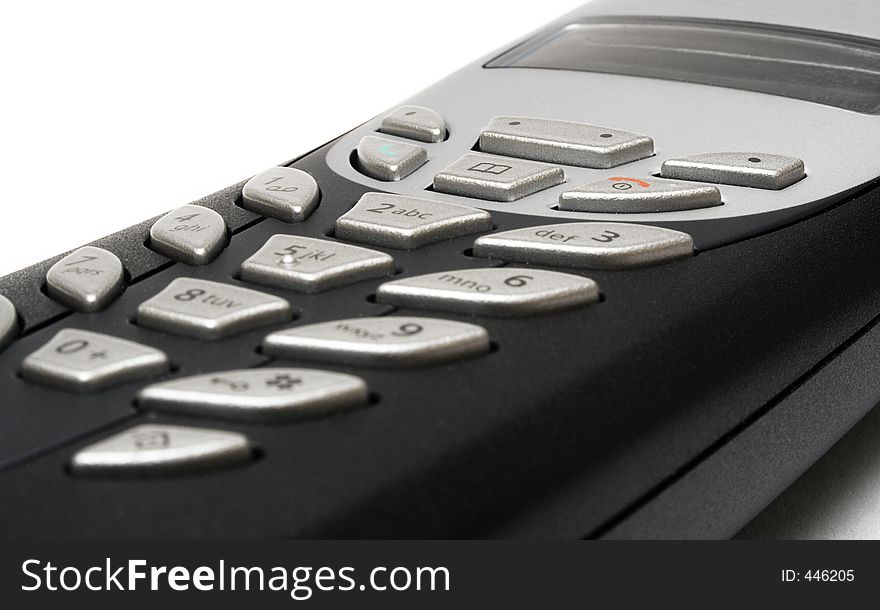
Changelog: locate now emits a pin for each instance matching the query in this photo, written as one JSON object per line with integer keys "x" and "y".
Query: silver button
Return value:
{"x": 86, "y": 280}
{"x": 622, "y": 195}
{"x": 8, "y": 321}
{"x": 285, "y": 193}
{"x": 151, "y": 449}
{"x": 496, "y": 178}
{"x": 256, "y": 394}
{"x": 387, "y": 340}
{"x": 498, "y": 291}
{"x": 191, "y": 234}
{"x": 85, "y": 361}
{"x": 756, "y": 170}
{"x": 407, "y": 223}
{"x": 389, "y": 160}
{"x": 564, "y": 142}
{"x": 416, "y": 123}
{"x": 210, "y": 310}
{"x": 592, "y": 245}
{"x": 312, "y": 265}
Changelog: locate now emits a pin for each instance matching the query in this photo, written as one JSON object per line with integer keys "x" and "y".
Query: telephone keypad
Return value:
{"x": 396, "y": 341}
{"x": 151, "y": 449}
{"x": 262, "y": 394}
{"x": 191, "y": 234}
{"x": 587, "y": 245}
{"x": 207, "y": 310}
{"x": 87, "y": 279}
{"x": 755, "y": 170}
{"x": 563, "y": 142}
{"x": 500, "y": 292}
{"x": 625, "y": 195}
{"x": 85, "y": 361}
{"x": 416, "y": 123}
{"x": 407, "y": 223}
{"x": 389, "y": 160}
{"x": 496, "y": 178}
{"x": 305, "y": 264}
{"x": 285, "y": 193}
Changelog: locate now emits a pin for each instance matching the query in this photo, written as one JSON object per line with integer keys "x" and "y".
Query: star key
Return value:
{"x": 317, "y": 392}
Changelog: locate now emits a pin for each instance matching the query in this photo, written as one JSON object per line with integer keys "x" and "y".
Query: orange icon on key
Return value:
{"x": 641, "y": 183}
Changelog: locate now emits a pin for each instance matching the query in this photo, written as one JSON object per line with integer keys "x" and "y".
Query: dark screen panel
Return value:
{"x": 820, "y": 67}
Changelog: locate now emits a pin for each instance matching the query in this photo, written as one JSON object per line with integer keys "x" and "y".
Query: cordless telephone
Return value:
{"x": 619, "y": 279}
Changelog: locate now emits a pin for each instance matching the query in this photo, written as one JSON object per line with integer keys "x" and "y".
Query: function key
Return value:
{"x": 151, "y": 449}
{"x": 311, "y": 265}
{"x": 755, "y": 170}
{"x": 496, "y": 178}
{"x": 86, "y": 280}
{"x": 285, "y": 193}
{"x": 564, "y": 142}
{"x": 494, "y": 291}
{"x": 86, "y": 361}
{"x": 381, "y": 341}
{"x": 8, "y": 321}
{"x": 191, "y": 234}
{"x": 416, "y": 123}
{"x": 622, "y": 195}
{"x": 210, "y": 310}
{"x": 389, "y": 160}
{"x": 407, "y": 223}
{"x": 256, "y": 394}
{"x": 589, "y": 245}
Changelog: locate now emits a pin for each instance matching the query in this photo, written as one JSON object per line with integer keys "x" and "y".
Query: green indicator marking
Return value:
{"x": 387, "y": 150}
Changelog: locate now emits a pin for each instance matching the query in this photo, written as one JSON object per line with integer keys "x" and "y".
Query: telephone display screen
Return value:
{"x": 821, "y": 67}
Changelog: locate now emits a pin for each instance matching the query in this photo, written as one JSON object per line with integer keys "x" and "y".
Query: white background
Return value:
{"x": 113, "y": 112}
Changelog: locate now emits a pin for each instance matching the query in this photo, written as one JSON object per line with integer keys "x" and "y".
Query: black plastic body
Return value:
{"x": 679, "y": 406}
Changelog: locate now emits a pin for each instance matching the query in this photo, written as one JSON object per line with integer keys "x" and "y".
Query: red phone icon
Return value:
{"x": 641, "y": 183}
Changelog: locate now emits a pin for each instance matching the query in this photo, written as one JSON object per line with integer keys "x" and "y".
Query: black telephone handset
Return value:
{"x": 612, "y": 281}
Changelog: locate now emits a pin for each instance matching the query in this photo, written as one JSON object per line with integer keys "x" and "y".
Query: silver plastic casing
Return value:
{"x": 683, "y": 119}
